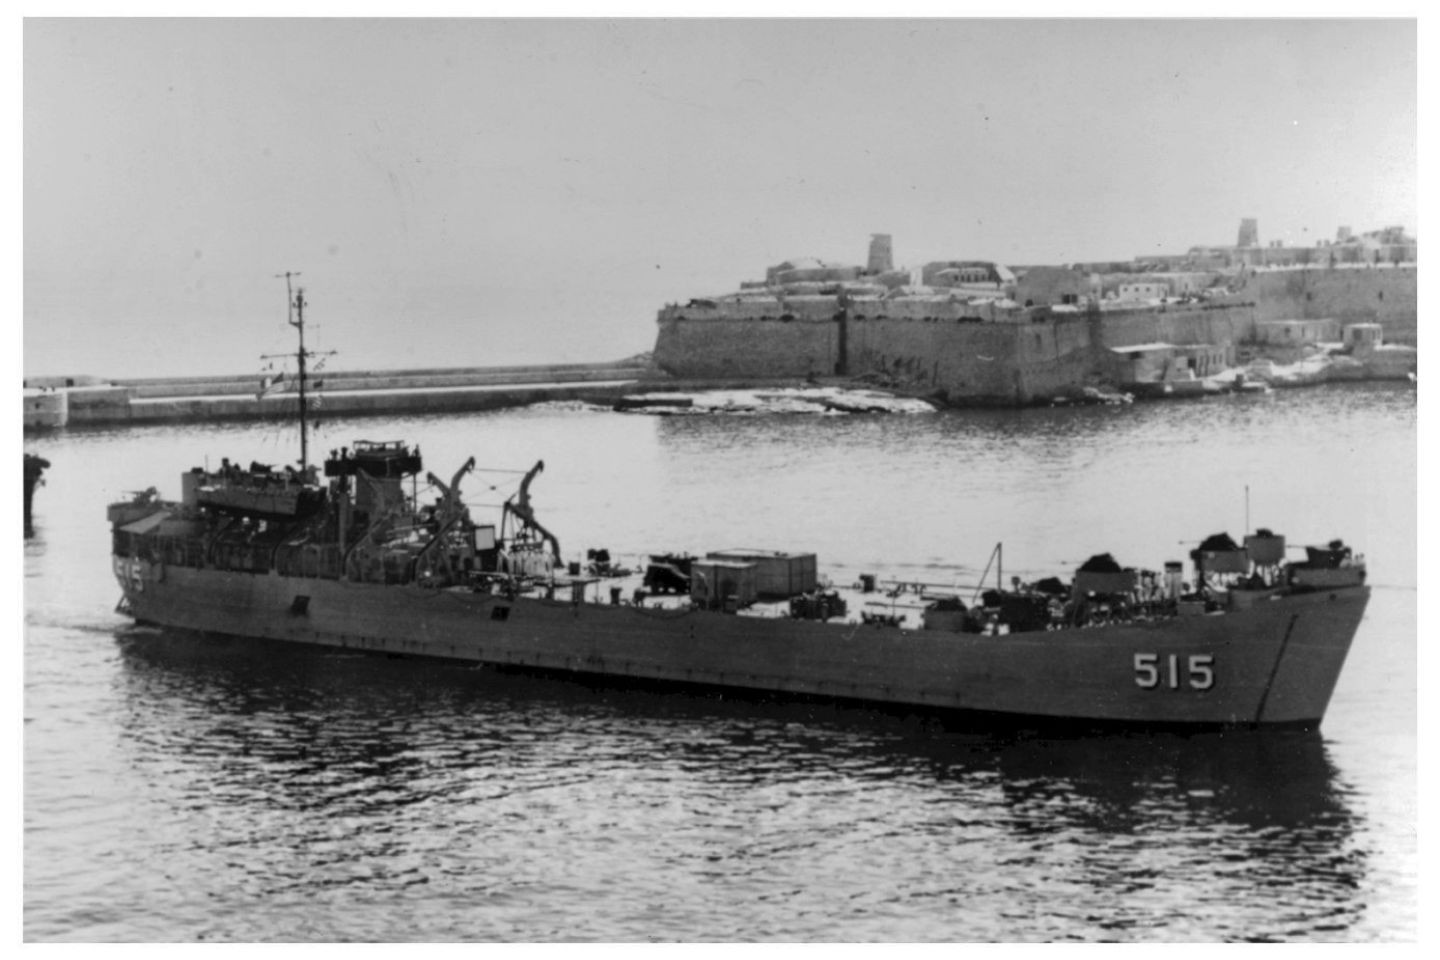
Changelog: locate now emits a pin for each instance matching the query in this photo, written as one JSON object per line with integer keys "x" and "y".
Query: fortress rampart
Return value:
{"x": 1383, "y": 293}
{"x": 959, "y": 352}
{"x": 964, "y": 337}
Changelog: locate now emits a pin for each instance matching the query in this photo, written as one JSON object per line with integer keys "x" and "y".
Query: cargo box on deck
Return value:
{"x": 1222, "y": 561}
{"x": 1265, "y": 549}
{"x": 1091, "y": 581}
{"x": 777, "y": 574}
{"x": 1333, "y": 556}
{"x": 1220, "y": 554}
{"x": 712, "y": 582}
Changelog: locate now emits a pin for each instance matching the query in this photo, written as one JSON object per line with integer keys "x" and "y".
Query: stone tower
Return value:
{"x": 1249, "y": 233}
{"x": 881, "y": 259}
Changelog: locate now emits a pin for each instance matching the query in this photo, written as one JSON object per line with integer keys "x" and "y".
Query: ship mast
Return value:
{"x": 295, "y": 315}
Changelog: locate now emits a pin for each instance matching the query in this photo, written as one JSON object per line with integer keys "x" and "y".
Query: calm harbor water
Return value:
{"x": 180, "y": 788}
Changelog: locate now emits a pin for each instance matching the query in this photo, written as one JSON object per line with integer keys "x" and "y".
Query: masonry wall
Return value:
{"x": 962, "y": 352}
{"x": 962, "y": 358}
{"x": 928, "y": 309}
{"x": 957, "y": 359}
{"x": 1384, "y": 294}
{"x": 1176, "y": 324}
{"x": 741, "y": 348}
{"x": 1289, "y": 333}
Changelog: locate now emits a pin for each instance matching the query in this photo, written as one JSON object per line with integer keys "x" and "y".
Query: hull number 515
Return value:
{"x": 1151, "y": 670}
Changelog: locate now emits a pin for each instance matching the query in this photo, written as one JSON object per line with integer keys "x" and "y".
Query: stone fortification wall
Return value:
{"x": 802, "y": 337}
{"x": 1382, "y": 294}
{"x": 694, "y": 345}
{"x": 809, "y": 308}
{"x": 928, "y": 308}
{"x": 961, "y": 358}
{"x": 1294, "y": 333}
{"x": 1181, "y": 325}
{"x": 1057, "y": 355}
{"x": 748, "y": 308}
{"x": 1013, "y": 362}
{"x": 956, "y": 359}
{"x": 961, "y": 352}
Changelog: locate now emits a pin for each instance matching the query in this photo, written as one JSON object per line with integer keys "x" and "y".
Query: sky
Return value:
{"x": 485, "y": 192}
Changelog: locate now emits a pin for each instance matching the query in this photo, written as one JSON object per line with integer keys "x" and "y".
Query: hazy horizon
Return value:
{"x": 478, "y": 192}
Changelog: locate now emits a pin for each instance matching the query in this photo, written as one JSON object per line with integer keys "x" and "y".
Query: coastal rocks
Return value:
{"x": 796, "y": 400}
{"x": 1321, "y": 363}
{"x": 1388, "y": 362}
{"x": 1091, "y": 396}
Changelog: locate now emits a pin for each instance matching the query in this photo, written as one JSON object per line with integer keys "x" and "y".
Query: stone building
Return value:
{"x": 1143, "y": 290}
{"x": 1051, "y": 286}
{"x": 967, "y": 273}
{"x": 1293, "y": 333}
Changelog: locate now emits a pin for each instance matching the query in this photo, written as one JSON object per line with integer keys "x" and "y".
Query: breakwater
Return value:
{"x": 85, "y": 401}
{"x": 58, "y": 402}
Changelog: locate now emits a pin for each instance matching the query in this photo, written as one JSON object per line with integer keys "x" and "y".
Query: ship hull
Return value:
{"x": 1274, "y": 664}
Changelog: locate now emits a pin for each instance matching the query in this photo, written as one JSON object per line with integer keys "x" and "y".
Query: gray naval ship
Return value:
{"x": 344, "y": 557}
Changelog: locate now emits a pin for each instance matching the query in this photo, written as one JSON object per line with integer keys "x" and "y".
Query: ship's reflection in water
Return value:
{"x": 453, "y": 802}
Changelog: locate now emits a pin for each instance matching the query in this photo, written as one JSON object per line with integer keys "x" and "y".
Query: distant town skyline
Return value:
{"x": 469, "y": 192}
